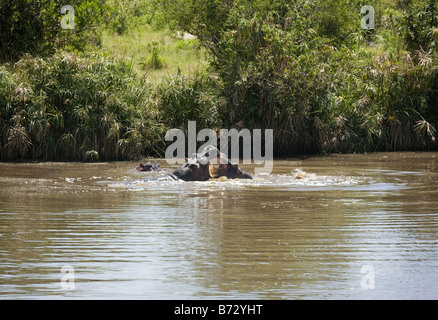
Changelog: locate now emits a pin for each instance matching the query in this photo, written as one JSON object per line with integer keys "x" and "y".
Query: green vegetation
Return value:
{"x": 74, "y": 106}
{"x": 112, "y": 87}
{"x": 155, "y": 54}
{"x": 35, "y": 26}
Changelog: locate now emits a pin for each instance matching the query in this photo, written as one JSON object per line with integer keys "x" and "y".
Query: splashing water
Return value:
{"x": 297, "y": 178}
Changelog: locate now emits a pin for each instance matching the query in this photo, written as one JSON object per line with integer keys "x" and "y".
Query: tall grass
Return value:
{"x": 156, "y": 52}
{"x": 181, "y": 98}
{"x": 76, "y": 107}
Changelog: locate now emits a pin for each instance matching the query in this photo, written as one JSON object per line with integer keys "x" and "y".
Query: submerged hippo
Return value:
{"x": 199, "y": 168}
{"x": 196, "y": 169}
{"x": 225, "y": 167}
{"x": 148, "y": 167}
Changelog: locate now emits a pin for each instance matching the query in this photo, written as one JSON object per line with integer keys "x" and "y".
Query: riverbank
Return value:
{"x": 94, "y": 107}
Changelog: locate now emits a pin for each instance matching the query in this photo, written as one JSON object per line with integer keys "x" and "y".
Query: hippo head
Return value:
{"x": 148, "y": 167}
{"x": 230, "y": 170}
{"x": 225, "y": 168}
{"x": 195, "y": 169}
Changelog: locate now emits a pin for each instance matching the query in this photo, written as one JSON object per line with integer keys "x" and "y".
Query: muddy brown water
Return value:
{"x": 353, "y": 227}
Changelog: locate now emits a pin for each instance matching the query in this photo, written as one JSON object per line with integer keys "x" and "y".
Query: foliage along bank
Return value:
{"x": 305, "y": 69}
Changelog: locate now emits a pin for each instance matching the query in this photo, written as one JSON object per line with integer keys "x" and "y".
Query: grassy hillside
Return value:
{"x": 156, "y": 52}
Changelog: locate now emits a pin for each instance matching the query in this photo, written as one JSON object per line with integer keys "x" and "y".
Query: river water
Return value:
{"x": 347, "y": 227}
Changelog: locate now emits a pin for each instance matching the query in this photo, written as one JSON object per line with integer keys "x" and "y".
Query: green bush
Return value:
{"x": 303, "y": 69}
{"x": 181, "y": 98}
{"x": 155, "y": 62}
{"x": 420, "y": 24}
{"x": 35, "y": 26}
{"x": 76, "y": 107}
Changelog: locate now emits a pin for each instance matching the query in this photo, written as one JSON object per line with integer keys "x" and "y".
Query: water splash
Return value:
{"x": 297, "y": 178}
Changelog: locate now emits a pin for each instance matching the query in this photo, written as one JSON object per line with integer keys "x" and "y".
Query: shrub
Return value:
{"x": 77, "y": 107}
{"x": 304, "y": 70}
{"x": 420, "y": 24}
{"x": 181, "y": 98}
{"x": 155, "y": 62}
{"x": 35, "y": 26}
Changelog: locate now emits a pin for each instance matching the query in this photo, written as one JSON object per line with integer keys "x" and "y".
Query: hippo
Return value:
{"x": 148, "y": 167}
{"x": 229, "y": 170}
{"x": 199, "y": 168}
{"x": 225, "y": 167}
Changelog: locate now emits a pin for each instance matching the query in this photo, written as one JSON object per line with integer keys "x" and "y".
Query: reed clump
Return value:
{"x": 69, "y": 106}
